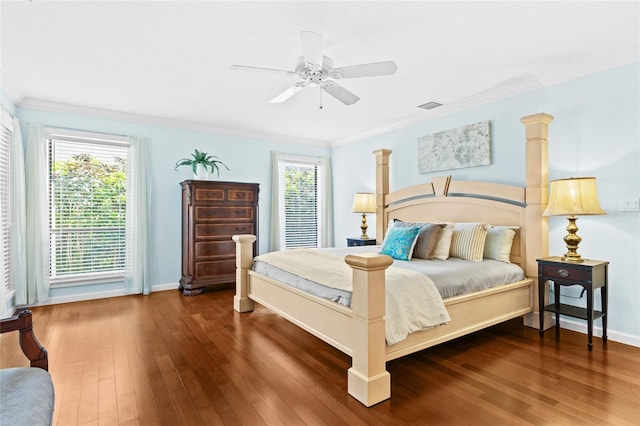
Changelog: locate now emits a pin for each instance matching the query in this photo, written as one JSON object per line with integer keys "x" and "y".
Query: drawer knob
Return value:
{"x": 563, "y": 273}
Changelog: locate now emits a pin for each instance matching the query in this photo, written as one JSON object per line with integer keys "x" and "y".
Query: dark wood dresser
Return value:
{"x": 212, "y": 212}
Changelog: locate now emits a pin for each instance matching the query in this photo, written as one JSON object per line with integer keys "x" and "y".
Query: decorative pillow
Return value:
{"x": 467, "y": 241}
{"x": 427, "y": 237}
{"x": 443, "y": 244}
{"x": 499, "y": 241}
{"x": 399, "y": 242}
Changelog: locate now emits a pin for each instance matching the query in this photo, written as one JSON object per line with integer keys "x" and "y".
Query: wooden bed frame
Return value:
{"x": 359, "y": 331}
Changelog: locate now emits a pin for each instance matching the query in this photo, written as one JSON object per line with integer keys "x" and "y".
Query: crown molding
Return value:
{"x": 516, "y": 86}
{"x": 513, "y": 87}
{"x": 9, "y": 90}
{"x": 51, "y": 106}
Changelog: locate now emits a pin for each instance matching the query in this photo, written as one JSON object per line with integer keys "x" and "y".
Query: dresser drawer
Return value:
{"x": 222, "y": 230}
{"x": 221, "y": 194}
{"x": 211, "y": 269}
{"x": 207, "y": 249}
{"x": 565, "y": 272}
{"x": 209, "y": 194}
{"x": 240, "y": 195}
{"x": 223, "y": 213}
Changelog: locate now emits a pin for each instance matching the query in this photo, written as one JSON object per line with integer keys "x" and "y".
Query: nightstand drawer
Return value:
{"x": 354, "y": 242}
{"x": 566, "y": 272}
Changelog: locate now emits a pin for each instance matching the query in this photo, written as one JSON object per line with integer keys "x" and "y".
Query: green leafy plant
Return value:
{"x": 208, "y": 162}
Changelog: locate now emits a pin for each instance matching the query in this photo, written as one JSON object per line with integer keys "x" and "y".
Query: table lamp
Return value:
{"x": 573, "y": 197}
{"x": 364, "y": 202}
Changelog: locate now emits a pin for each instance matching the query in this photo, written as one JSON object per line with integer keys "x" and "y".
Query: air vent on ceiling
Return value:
{"x": 430, "y": 105}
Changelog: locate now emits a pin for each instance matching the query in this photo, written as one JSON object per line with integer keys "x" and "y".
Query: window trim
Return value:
{"x": 9, "y": 288}
{"x": 75, "y": 135}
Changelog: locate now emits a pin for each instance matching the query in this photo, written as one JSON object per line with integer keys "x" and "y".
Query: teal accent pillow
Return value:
{"x": 399, "y": 242}
{"x": 427, "y": 237}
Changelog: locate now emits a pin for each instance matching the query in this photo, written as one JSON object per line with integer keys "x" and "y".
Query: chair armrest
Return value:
{"x": 30, "y": 346}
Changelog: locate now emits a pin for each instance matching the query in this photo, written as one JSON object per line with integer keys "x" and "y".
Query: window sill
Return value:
{"x": 86, "y": 280}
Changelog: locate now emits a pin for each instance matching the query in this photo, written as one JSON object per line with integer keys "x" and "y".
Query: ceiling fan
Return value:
{"x": 316, "y": 70}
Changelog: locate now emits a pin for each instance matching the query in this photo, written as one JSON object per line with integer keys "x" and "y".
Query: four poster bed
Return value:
{"x": 359, "y": 329}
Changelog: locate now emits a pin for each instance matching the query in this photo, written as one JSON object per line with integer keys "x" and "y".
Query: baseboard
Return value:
{"x": 612, "y": 335}
{"x": 101, "y": 295}
{"x": 164, "y": 287}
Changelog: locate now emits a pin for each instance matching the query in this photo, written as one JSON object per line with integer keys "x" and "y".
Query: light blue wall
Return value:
{"x": 596, "y": 132}
{"x": 249, "y": 161}
{"x": 7, "y": 104}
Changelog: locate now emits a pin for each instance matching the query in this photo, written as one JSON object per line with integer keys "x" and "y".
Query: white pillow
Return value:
{"x": 498, "y": 243}
{"x": 443, "y": 244}
{"x": 467, "y": 241}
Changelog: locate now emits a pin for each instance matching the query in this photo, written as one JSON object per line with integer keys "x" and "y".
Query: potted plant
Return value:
{"x": 202, "y": 164}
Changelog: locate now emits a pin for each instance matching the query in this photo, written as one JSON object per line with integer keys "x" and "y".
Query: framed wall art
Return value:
{"x": 466, "y": 146}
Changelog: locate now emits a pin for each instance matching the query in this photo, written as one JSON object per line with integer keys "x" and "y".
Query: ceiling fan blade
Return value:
{"x": 365, "y": 70}
{"x": 259, "y": 69}
{"x": 312, "y": 46}
{"x": 340, "y": 93}
{"x": 289, "y": 92}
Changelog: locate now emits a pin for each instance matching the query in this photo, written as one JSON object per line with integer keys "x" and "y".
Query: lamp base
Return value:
{"x": 364, "y": 227}
{"x": 572, "y": 259}
{"x": 572, "y": 239}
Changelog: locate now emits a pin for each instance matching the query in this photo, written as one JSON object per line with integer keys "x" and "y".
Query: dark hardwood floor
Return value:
{"x": 171, "y": 360}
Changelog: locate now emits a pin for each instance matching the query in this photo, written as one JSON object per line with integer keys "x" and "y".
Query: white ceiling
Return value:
{"x": 169, "y": 62}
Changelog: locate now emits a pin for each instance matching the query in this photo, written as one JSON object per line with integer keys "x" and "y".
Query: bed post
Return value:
{"x": 244, "y": 260}
{"x": 368, "y": 381}
{"x": 536, "y": 197}
{"x": 382, "y": 189}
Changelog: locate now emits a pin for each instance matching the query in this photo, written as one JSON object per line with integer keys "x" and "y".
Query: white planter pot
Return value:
{"x": 202, "y": 173}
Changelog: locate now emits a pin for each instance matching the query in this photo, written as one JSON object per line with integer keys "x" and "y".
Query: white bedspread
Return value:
{"x": 412, "y": 300}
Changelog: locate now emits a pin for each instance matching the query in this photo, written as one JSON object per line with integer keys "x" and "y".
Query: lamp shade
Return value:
{"x": 364, "y": 202}
{"x": 573, "y": 196}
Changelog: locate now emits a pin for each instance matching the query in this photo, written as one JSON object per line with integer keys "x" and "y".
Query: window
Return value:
{"x": 300, "y": 203}
{"x": 5, "y": 203}
{"x": 87, "y": 207}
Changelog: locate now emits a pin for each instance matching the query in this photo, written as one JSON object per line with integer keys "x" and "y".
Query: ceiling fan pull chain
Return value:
{"x": 320, "y": 91}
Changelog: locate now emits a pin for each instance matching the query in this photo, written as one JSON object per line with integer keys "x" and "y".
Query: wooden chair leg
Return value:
{"x": 32, "y": 349}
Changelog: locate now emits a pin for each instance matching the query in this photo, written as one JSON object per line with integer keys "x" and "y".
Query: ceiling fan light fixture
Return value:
{"x": 430, "y": 105}
{"x": 314, "y": 69}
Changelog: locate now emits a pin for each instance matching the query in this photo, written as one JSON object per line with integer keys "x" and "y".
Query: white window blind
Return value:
{"x": 87, "y": 208}
{"x": 5, "y": 203}
{"x": 299, "y": 182}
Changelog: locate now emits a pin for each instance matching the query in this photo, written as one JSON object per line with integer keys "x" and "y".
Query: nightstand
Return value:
{"x": 590, "y": 274}
{"x": 352, "y": 242}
